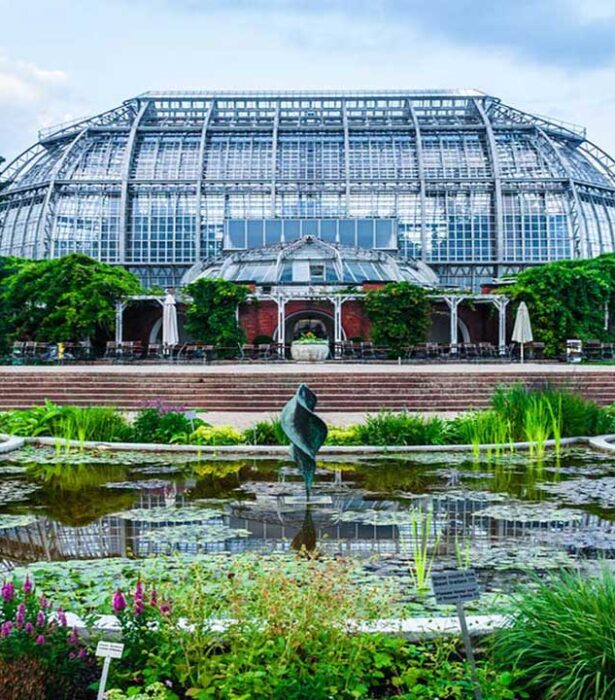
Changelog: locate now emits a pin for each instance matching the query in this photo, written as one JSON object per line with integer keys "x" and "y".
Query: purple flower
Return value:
{"x": 119, "y": 602}
{"x": 6, "y": 628}
{"x": 29, "y": 628}
{"x": 21, "y": 615}
{"x": 39, "y": 640}
{"x": 139, "y": 598}
{"x": 153, "y": 598}
{"x": 43, "y": 602}
{"x": 8, "y": 591}
{"x": 165, "y": 608}
{"x": 73, "y": 637}
{"x": 40, "y": 618}
{"x": 28, "y": 586}
{"x": 82, "y": 653}
{"x": 62, "y": 617}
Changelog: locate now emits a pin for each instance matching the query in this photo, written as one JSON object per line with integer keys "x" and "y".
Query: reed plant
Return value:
{"x": 423, "y": 552}
{"x": 561, "y": 638}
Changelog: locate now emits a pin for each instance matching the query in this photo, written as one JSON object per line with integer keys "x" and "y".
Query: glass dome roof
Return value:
{"x": 310, "y": 261}
{"x": 475, "y": 188}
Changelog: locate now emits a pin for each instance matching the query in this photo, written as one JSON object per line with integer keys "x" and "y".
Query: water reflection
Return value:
{"x": 493, "y": 513}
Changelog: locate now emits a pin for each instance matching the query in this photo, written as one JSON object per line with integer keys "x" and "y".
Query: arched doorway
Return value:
{"x": 301, "y": 322}
{"x": 440, "y": 331}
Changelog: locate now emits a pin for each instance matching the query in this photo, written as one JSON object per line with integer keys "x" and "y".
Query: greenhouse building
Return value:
{"x": 300, "y": 194}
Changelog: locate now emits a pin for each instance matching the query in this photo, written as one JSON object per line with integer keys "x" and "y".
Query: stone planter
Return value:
{"x": 309, "y": 352}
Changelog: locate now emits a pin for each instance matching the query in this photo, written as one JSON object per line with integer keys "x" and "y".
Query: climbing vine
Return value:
{"x": 566, "y": 299}
{"x": 399, "y": 313}
{"x": 211, "y": 312}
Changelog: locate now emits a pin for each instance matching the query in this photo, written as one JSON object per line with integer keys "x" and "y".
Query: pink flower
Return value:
{"x": 82, "y": 653}
{"x": 165, "y": 608}
{"x": 21, "y": 615}
{"x": 43, "y": 602}
{"x": 153, "y": 598}
{"x": 8, "y": 591}
{"x": 119, "y": 602}
{"x": 139, "y": 599}
{"x": 6, "y": 628}
{"x": 62, "y": 617}
{"x": 40, "y": 618}
{"x": 73, "y": 638}
{"x": 28, "y": 586}
{"x": 39, "y": 640}
{"x": 29, "y": 628}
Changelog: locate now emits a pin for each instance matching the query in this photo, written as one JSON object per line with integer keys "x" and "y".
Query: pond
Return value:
{"x": 508, "y": 513}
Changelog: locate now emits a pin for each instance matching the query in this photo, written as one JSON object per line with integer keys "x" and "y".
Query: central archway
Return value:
{"x": 300, "y": 322}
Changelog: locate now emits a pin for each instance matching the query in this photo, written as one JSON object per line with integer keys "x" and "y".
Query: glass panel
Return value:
{"x": 273, "y": 232}
{"x": 255, "y": 234}
{"x": 292, "y": 230}
{"x": 328, "y": 230}
{"x": 348, "y": 233}
{"x": 366, "y": 234}
{"x": 237, "y": 234}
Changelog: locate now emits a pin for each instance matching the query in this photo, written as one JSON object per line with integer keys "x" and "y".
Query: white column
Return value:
{"x": 281, "y": 301}
{"x": 453, "y": 303}
{"x": 119, "y": 321}
{"x": 502, "y": 303}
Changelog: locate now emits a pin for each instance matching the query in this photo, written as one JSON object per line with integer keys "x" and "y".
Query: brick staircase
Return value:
{"x": 414, "y": 390}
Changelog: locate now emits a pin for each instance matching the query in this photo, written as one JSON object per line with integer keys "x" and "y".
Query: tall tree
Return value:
{"x": 71, "y": 298}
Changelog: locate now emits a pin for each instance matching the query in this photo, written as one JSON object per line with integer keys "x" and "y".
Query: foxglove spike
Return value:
{"x": 306, "y": 432}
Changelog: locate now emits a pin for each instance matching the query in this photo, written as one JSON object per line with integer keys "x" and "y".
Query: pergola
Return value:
{"x": 283, "y": 295}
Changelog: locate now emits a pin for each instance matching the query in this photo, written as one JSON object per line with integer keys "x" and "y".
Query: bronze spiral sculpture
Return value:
{"x": 306, "y": 432}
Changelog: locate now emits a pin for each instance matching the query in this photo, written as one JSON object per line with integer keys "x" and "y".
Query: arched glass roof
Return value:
{"x": 310, "y": 261}
{"x": 474, "y": 188}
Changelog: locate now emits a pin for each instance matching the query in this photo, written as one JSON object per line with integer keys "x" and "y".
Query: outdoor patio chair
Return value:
{"x": 592, "y": 349}
{"x": 537, "y": 351}
{"x": 263, "y": 351}
{"x": 349, "y": 351}
{"x": 469, "y": 351}
{"x": 367, "y": 351}
{"x": 486, "y": 350}
{"x": 608, "y": 351}
{"x": 247, "y": 351}
{"x": 154, "y": 351}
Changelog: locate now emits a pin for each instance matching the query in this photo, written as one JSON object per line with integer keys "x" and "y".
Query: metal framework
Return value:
{"x": 477, "y": 188}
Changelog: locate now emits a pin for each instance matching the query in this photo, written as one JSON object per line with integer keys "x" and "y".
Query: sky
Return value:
{"x": 63, "y": 59}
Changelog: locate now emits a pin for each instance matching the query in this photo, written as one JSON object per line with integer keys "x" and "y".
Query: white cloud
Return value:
{"x": 26, "y": 83}
{"x": 30, "y": 97}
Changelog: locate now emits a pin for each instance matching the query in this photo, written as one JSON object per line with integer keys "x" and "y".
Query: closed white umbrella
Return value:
{"x": 522, "y": 332}
{"x": 170, "y": 334}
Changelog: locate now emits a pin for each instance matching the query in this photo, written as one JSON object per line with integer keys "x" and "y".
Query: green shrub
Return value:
{"x": 163, "y": 426}
{"x": 389, "y": 429}
{"x": 266, "y": 432}
{"x": 217, "y": 435}
{"x": 97, "y": 423}
{"x": 561, "y": 640}
{"x": 343, "y": 436}
{"x": 288, "y": 638}
{"x": 155, "y": 691}
{"x": 262, "y": 340}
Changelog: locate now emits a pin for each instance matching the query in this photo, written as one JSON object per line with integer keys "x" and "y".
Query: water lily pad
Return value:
{"x": 145, "y": 485}
{"x": 12, "y": 521}
{"x": 189, "y": 534}
{"x": 377, "y": 517}
{"x": 169, "y": 515}
{"x": 529, "y": 513}
{"x": 12, "y": 491}
{"x": 581, "y": 491}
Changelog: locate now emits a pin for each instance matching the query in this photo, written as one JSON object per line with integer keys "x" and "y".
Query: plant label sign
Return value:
{"x": 452, "y": 587}
{"x": 113, "y": 650}
{"x": 108, "y": 651}
{"x": 457, "y": 587}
